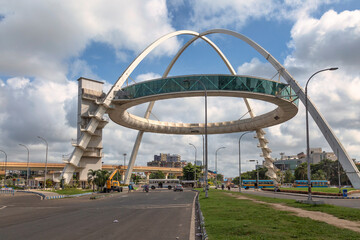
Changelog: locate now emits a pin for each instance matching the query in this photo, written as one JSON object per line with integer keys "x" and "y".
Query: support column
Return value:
{"x": 136, "y": 146}
{"x": 147, "y": 176}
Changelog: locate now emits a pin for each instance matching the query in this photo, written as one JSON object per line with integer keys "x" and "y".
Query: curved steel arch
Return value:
{"x": 260, "y": 133}
{"x": 346, "y": 162}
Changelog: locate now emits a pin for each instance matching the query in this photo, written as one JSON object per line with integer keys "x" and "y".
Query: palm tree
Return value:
{"x": 301, "y": 171}
{"x": 101, "y": 177}
{"x": 91, "y": 178}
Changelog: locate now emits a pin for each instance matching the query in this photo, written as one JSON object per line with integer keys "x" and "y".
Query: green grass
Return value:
{"x": 351, "y": 214}
{"x": 72, "y": 191}
{"x": 229, "y": 218}
{"x": 319, "y": 189}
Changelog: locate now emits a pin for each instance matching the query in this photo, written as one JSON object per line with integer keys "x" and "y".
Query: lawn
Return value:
{"x": 229, "y": 218}
{"x": 319, "y": 189}
{"x": 72, "y": 191}
{"x": 351, "y": 214}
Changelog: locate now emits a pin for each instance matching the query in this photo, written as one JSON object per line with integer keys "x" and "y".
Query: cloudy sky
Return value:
{"x": 45, "y": 46}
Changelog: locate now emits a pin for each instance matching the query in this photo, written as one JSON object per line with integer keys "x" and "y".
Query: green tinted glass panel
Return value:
{"x": 211, "y": 82}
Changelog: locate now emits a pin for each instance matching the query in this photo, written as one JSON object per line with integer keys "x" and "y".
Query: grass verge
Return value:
{"x": 351, "y": 214}
{"x": 229, "y": 218}
{"x": 72, "y": 191}
{"x": 319, "y": 189}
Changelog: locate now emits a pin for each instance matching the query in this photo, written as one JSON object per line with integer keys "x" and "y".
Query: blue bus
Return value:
{"x": 262, "y": 184}
{"x": 314, "y": 183}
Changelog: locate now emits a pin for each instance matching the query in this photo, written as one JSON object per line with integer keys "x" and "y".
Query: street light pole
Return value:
{"x": 240, "y": 183}
{"x": 216, "y": 164}
{"x": 5, "y": 166}
{"x": 203, "y": 164}
{"x": 46, "y": 159}
{"x": 307, "y": 131}
{"x": 206, "y": 138}
{"x": 194, "y": 164}
{"x": 124, "y": 165}
{"x": 257, "y": 172}
{"x": 27, "y": 166}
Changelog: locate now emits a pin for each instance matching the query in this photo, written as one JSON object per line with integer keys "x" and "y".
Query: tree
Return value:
{"x": 91, "y": 178}
{"x": 235, "y": 180}
{"x": 318, "y": 175}
{"x": 301, "y": 172}
{"x": 100, "y": 178}
{"x": 135, "y": 178}
{"x": 220, "y": 177}
{"x": 157, "y": 175}
{"x": 189, "y": 170}
{"x": 289, "y": 177}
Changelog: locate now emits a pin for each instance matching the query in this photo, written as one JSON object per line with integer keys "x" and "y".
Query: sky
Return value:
{"x": 45, "y": 46}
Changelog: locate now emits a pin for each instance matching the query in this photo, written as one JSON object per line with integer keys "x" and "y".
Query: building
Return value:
{"x": 317, "y": 155}
{"x": 291, "y": 162}
{"x": 167, "y": 160}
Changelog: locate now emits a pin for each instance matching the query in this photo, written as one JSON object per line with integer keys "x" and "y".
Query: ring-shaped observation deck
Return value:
{"x": 274, "y": 92}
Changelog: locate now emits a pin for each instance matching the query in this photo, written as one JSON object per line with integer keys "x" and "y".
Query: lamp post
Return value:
{"x": 46, "y": 158}
{"x": 194, "y": 164}
{"x": 206, "y": 137}
{"x": 124, "y": 154}
{"x": 257, "y": 172}
{"x": 4, "y": 166}
{"x": 216, "y": 164}
{"x": 27, "y": 166}
{"x": 307, "y": 131}
{"x": 240, "y": 183}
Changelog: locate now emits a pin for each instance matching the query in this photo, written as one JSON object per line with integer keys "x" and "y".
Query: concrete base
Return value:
{"x": 311, "y": 202}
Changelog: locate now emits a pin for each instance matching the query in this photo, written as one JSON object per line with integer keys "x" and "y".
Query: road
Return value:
{"x": 352, "y": 203}
{"x": 156, "y": 215}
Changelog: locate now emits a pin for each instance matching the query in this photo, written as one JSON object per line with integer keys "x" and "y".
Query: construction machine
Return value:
{"x": 113, "y": 185}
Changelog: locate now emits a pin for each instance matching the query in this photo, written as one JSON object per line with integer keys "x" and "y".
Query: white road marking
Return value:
{"x": 2, "y": 207}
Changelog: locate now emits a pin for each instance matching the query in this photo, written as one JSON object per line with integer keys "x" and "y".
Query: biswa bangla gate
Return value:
{"x": 87, "y": 152}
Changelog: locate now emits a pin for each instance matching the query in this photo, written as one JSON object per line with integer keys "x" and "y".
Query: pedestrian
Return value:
{"x": 229, "y": 187}
{"x": 130, "y": 187}
{"x": 222, "y": 187}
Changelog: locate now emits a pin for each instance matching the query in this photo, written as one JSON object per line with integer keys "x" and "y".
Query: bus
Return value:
{"x": 262, "y": 184}
{"x": 314, "y": 183}
{"x": 163, "y": 183}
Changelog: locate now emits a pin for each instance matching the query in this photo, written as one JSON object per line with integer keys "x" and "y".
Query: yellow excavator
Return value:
{"x": 113, "y": 185}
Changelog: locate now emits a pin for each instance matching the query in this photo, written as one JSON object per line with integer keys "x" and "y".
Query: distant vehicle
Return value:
{"x": 112, "y": 185}
{"x": 262, "y": 184}
{"x": 314, "y": 183}
{"x": 178, "y": 187}
{"x": 163, "y": 183}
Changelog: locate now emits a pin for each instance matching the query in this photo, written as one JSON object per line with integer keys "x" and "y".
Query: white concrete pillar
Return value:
{"x": 147, "y": 176}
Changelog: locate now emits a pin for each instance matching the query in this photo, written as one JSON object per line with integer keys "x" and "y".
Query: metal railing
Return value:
{"x": 200, "y": 216}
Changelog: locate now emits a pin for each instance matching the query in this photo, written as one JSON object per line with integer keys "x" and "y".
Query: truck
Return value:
{"x": 113, "y": 185}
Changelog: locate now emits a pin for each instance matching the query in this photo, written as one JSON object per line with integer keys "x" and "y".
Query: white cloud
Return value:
{"x": 332, "y": 40}
{"x": 38, "y": 38}
{"x": 222, "y": 14}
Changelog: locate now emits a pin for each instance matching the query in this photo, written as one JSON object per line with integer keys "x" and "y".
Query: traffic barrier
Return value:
{"x": 8, "y": 191}
{"x": 55, "y": 197}
{"x": 204, "y": 235}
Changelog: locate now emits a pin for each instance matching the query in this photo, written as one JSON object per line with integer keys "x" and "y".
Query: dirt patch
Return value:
{"x": 315, "y": 215}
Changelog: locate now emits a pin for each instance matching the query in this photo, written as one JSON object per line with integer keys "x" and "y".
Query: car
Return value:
{"x": 178, "y": 187}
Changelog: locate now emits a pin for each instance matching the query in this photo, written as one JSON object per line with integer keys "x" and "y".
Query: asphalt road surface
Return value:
{"x": 159, "y": 214}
